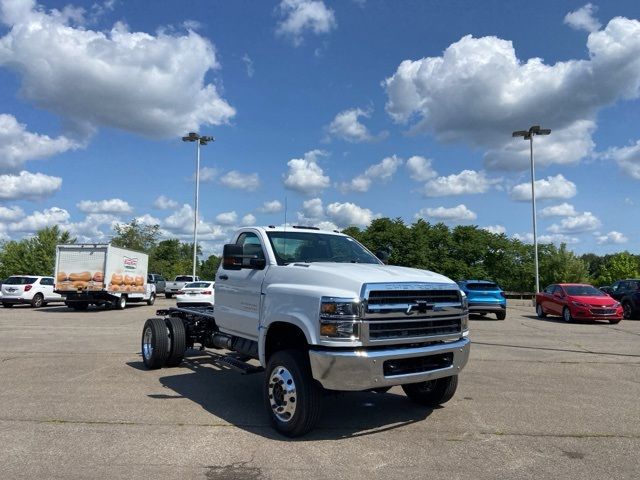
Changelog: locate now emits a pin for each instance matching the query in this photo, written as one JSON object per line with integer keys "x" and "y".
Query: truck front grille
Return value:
{"x": 420, "y": 328}
{"x": 405, "y": 366}
{"x": 413, "y": 312}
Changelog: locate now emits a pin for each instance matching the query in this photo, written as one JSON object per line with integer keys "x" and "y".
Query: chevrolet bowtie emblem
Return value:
{"x": 420, "y": 306}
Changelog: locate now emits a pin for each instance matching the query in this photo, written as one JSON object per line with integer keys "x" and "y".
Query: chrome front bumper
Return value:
{"x": 364, "y": 369}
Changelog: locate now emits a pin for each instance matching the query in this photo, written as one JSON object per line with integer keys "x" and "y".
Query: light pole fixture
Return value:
{"x": 200, "y": 140}
{"x": 528, "y": 135}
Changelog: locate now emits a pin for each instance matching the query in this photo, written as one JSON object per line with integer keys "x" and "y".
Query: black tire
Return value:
{"x": 121, "y": 302}
{"x": 7, "y": 305}
{"x": 501, "y": 315}
{"x": 540, "y": 311}
{"x": 168, "y": 295}
{"x": 627, "y": 311}
{"x": 177, "y": 341}
{"x": 154, "y": 343}
{"x": 566, "y": 315}
{"x": 289, "y": 385}
{"x": 37, "y": 301}
{"x": 152, "y": 299}
{"x": 432, "y": 393}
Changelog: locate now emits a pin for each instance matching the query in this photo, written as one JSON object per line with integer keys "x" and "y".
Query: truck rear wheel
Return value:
{"x": 433, "y": 392}
{"x": 155, "y": 343}
{"x": 121, "y": 302}
{"x": 177, "y": 341}
{"x": 291, "y": 395}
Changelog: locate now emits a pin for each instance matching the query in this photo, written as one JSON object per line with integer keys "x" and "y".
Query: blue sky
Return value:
{"x": 350, "y": 110}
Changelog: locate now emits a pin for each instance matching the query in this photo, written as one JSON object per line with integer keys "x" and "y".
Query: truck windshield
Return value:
{"x": 183, "y": 278}
{"x": 307, "y": 247}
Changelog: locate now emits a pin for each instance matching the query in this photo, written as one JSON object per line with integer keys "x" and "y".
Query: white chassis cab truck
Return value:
{"x": 318, "y": 311}
{"x": 101, "y": 274}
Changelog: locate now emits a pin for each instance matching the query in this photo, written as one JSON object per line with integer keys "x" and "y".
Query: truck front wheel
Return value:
{"x": 292, "y": 397}
{"x": 155, "y": 343}
{"x": 433, "y": 392}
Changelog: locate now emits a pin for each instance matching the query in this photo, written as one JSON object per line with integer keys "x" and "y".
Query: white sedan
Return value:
{"x": 196, "y": 294}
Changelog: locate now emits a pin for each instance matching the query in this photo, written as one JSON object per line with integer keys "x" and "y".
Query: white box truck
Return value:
{"x": 101, "y": 274}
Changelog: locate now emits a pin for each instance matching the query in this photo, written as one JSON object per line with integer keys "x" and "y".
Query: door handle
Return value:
{"x": 223, "y": 277}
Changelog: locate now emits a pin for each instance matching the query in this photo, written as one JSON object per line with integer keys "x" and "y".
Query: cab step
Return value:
{"x": 243, "y": 367}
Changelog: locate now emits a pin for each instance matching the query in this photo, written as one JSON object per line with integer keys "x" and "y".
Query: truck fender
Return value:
{"x": 296, "y": 320}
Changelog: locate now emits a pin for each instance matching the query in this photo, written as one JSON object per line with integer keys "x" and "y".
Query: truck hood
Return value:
{"x": 351, "y": 276}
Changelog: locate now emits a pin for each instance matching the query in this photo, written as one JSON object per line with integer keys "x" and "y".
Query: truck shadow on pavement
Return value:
{"x": 92, "y": 309}
{"x": 237, "y": 399}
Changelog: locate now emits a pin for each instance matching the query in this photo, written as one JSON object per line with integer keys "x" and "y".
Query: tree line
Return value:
{"x": 462, "y": 252}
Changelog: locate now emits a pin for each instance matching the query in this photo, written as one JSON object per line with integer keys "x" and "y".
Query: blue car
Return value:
{"x": 485, "y": 297}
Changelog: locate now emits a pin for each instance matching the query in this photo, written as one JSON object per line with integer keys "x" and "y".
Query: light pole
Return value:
{"x": 528, "y": 135}
{"x": 200, "y": 140}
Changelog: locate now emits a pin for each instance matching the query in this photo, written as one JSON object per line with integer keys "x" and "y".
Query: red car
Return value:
{"x": 577, "y": 301}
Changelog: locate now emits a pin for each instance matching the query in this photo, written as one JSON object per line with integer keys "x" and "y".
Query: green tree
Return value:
{"x": 172, "y": 257}
{"x": 209, "y": 267}
{"x": 136, "y": 236}
{"x": 558, "y": 265}
{"x": 35, "y": 255}
{"x": 618, "y": 266}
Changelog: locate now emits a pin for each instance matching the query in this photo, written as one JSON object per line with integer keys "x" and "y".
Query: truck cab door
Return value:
{"x": 239, "y": 292}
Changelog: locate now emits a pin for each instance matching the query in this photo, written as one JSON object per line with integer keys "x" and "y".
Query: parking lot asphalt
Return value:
{"x": 539, "y": 399}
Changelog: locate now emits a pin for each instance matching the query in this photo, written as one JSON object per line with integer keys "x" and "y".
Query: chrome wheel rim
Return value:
{"x": 147, "y": 343}
{"x": 38, "y": 301}
{"x": 567, "y": 315}
{"x": 283, "y": 397}
{"x": 626, "y": 311}
{"x": 539, "y": 310}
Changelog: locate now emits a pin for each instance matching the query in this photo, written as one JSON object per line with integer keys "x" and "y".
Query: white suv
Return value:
{"x": 37, "y": 291}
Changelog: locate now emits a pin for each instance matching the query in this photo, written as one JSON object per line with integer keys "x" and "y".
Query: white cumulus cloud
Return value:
{"x": 164, "y": 203}
{"x": 612, "y": 238}
{"x": 382, "y": 171}
{"x": 562, "y": 210}
{"x": 153, "y": 85}
{"x": 10, "y": 214}
{"x": 113, "y": 205}
{"x": 556, "y": 239}
{"x": 27, "y": 185}
{"x": 556, "y": 187}
{"x": 305, "y": 175}
{"x": 348, "y": 214}
{"x": 18, "y": 146}
{"x": 273, "y": 206}
{"x": 227, "y": 218}
{"x": 583, "y": 18}
{"x": 584, "y": 222}
{"x": 459, "y": 213}
{"x": 627, "y": 158}
{"x": 421, "y": 169}
{"x": 248, "y": 220}
{"x": 347, "y": 126}
{"x": 465, "y": 182}
{"x": 497, "y": 229}
{"x": 41, "y": 219}
{"x": 240, "y": 181}
{"x": 478, "y": 91}
{"x": 299, "y": 16}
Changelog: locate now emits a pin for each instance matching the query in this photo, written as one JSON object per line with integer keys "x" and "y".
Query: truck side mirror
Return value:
{"x": 232, "y": 257}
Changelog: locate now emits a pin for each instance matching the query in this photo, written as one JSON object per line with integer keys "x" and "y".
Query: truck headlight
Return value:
{"x": 340, "y": 318}
{"x": 465, "y": 313}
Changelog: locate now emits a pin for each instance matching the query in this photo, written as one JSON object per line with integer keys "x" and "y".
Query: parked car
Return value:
{"x": 31, "y": 289}
{"x": 196, "y": 294}
{"x": 158, "y": 281}
{"x": 484, "y": 297}
{"x": 627, "y": 292}
{"x": 578, "y": 301}
{"x": 172, "y": 288}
